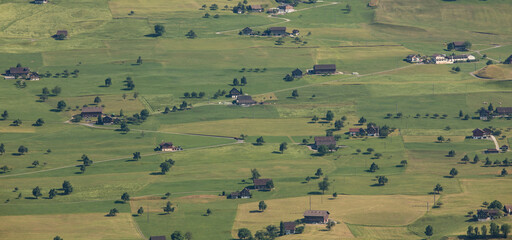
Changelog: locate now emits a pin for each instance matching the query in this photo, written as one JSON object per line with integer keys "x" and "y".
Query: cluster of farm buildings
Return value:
{"x": 271, "y": 31}
{"x": 282, "y": 9}
{"x": 443, "y": 58}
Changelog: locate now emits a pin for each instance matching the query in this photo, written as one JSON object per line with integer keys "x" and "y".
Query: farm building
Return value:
{"x": 504, "y": 111}
{"x": 459, "y": 46}
{"x": 504, "y": 148}
{"x": 263, "y": 184}
{"x": 245, "y": 193}
{"x": 40, "y": 1}
{"x": 355, "y": 131}
{"x": 297, "y": 73}
{"x": 373, "y": 131}
{"x": 157, "y": 238}
{"x": 90, "y": 112}
{"x": 277, "y": 31}
{"x": 289, "y": 228}
{"x": 168, "y": 147}
{"x": 491, "y": 150}
{"x": 316, "y": 216}
{"x": 246, "y": 31}
{"x": 324, "y": 69}
{"x": 18, "y": 72}
{"x": 255, "y": 8}
{"x": 413, "y": 58}
{"x": 245, "y": 100}
{"x": 488, "y": 214}
{"x": 286, "y": 8}
{"x": 507, "y": 208}
{"x": 328, "y": 141}
{"x": 481, "y": 134}
{"x": 234, "y": 93}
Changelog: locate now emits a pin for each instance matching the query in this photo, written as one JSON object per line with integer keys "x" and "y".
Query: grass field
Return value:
{"x": 367, "y": 44}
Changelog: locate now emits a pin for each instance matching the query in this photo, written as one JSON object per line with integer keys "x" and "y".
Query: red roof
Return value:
{"x": 261, "y": 181}
{"x": 355, "y": 130}
{"x": 316, "y": 213}
{"x": 289, "y": 226}
{"x": 92, "y": 110}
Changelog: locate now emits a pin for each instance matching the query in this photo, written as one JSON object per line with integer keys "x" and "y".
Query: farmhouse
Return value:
{"x": 316, "y": 216}
{"x": 295, "y": 32}
{"x": 34, "y": 77}
{"x": 167, "y": 147}
{"x": 355, "y": 131}
{"x": 504, "y": 148}
{"x": 157, "y": 238}
{"x": 234, "y": 93}
{"x": 246, "y": 31}
{"x": 245, "y": 100}
{"x": 61, "y": 35}
{"x": 462, "y": 58}
{"x": 484, "y": 114}
{"x": 245, "y": 193}
{"x": 413, "y": 58}
{"x": 40, "y": 1}
{"x": 491, "y": 150}
{"x": 277, "y": 31}
{"x": 507, "y": 208}
{"x": 107, "y": 120}
{"x": 459, "y": 46}
{"x": 286, "y": 8}
{"x": 504, "y": 111}
{"x": 263, "y": 184}
{"x": 255, "y": 8}
{"x": 373, "y": 131}
{"x": 90, "y": 112}
{"x": 289, "y": 228}
{"x": 441, "y": 59}
{"x": 18, "y": 72}
{"x": 481, "y": 134}
{"x": 297, "y": 73}
{"x": 328, "y": 141}
{"x": 488, "y": 214}
{"x": 324, "y": 69}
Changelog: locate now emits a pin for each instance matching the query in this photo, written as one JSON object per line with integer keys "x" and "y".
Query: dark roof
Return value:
{"x": 459, "y": 44}
{"x": 506, "y": 110}
{"x": 63, "y": 32}
{"x": 316, "y": 213}
{"x": 245, "y": 100}
{"x": 19, "y": 70}
{"x": 372, "y": 130}
{"x": 295, "y": 31}
{"x": 92, "y": 110}
{"x": 491, "y": 150}
{"x": 325, "y": 67}
{"x": 247, "y": 29}
{"x": 234, "y": 91}
{"x": 239, "y": 194}
{"x": 157, "y": 238}
{"x": 277, "y": 28}
{"x": 328, "y": 140}
{"x": 290, "y": 226}
{"x": 478, "y": 132}
{"x": 297, "y": 72}
{"x": 261, "y": 181}
{"x": 166, "y": 144}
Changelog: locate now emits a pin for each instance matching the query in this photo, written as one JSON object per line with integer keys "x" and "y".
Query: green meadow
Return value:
{"x": 420, "y": 102}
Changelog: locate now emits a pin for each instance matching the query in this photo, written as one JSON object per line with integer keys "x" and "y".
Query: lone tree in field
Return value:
{"x": 113, "y": 212}
{"x": 260, "y": 141}
{"x": 159, "y": 30}
{"x": 374, "y": 167}
{"x": 37, "y": 192}
{"x": 283, "y": 146}
{"x": 125, "y": 197}
{"x": 22, "y": 150}
{"x": 136, "y": 156}
{"x": 465, "y": 159}
{"x": 97, "y": 100}
{"x": 295, "y": 93}
{"x": 16, "y": 122}
{"x": 438, "y": 188}
{"x": 235, "y": 82}
{"x": 319, "y": 172}
{"x": 244, "y": 233}
{"x": 329, "y": 116}
{"x": 454, "y": 172}
{"x": 168, "y": 208}
{"x": 243, "y": 81}
{"x": 330, "y": 225}
{"x": 108, "y": 82}
{"x": 262, "y": 206}
{"x": 382, "y": 180}
{"x": 39, "y": 122}
{"x": 140, "y": 211}
{"x": 451, "y": 153}
{"x": 504, "y": 172}
{"x": 35, "y": 163}
{"x": 2, "y": 149}
{"x": 139, "y": 60}
{"x": 191, "y": 34}
{"x": 208, "y": 212}
{"x": 61, "y": 105}
{"x": 56, "y": 90}
{"x": 362, "y": 120}
{"x": 66, "y": 186}
{"x": 429, "y": 231}
{"x": 324, "y": 185}
{"x": 165, "y": 167}
{"x": 255, "y": 174}
{"x": 5, "y": 115}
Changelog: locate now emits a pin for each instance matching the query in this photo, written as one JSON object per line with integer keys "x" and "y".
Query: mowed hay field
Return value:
{"x": 73, "y": 226}
{"x": 378, "y": 210}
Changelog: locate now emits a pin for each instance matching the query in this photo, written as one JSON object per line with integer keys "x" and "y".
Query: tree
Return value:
{"x": 66, "y": 186}
{"x": 176, "y": 235}
{"x": 2, "y": 149}
{"x": 113, "y": 212}
{"x": 330, "y": 225}
{"x": 165, "y": 167}
{"x": 125, "y": 197}
{"x": 438, "y": 188}
{"x": 504, "y": 172}
{"x": 108, "y": 82}
{"x": 260, "y": 141}
{"x": 288, "y": 78}
{"x": 454, "y": 172}
{"x": 5, "y": 115}
{"x": 140, "y": 211}
{"x": 243, "y": 80}
{"x": 348, "y": 8}
{"x": 451, "y": 153}
{"x": 495, "y": 205}
{"x": 52, "y": 193}
{"x": 338, "y": 124}
{"x": 319, "y": 172}
{"x": 484, "y": 231}
{"x": 36, "y": 192}
{"x": 324, "y": 185}
{"x": 201, "y": 94}
{"x": 283, "y": 146}
{"x": 17, "y": 122}
{"x": 244, "y": 233}
{"x": 429, "y": 231}
{"x": 362, "y": 120}
{"x": 235, "y": 82}
{"x": 136, "y": 156}
{"x": 22, "y": 150}
{"x": 191, "y": 34}
{"x": 144, "y": 114}
{"x": 314, "y": 119}
{"x": 159, "y": 30}
{"x": 295, "y": 93}
{"x": 382, "y": 180}
{"x": 272, "y": 231}
{"x": 262, "y": 206}
{"x": 139, "y": 60}
{"x": 168, "y": 207}
{"x": 208, "y": 212}
{"x": 329, "y": 116}
{"x": 57, "y": 238}
{"x": 35, "y": 163}
{"x": 97, "y": 100}
{"x": 465, "y": 158}
{"x": 39, "y": 122}
{"x": 188, "y": 236}
{"x": 374, "y": 167}
{"x": 403, "y": 162}
{"x": 323, "y": 149}
{"x": 494, "y": 230}
{"x": 469, "y": 232}
{"x": 467, "y": 45}
{"x": 308, "y": 178}
{"x": 505, "y": 229}
{"x": 255, "y": 174}
{"x": 61, "y": 105}
{"x": 490, "y": 62}
{"x": 83, "y": 168}
{"x": 56, "y": 90}
{"x": 476, "y": 159}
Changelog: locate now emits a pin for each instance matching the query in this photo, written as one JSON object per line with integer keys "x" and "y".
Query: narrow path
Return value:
{"x": 478, "y": 51}
{"x": 495, "y": 142}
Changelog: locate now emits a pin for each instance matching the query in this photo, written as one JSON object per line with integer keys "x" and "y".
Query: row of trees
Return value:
{"x": 495, "y": 231}
{"x": 67, "y": 189}
{"x": 194, "y": 95}
{"x": 242, "y": 82}
{"x": 45, "y": 93}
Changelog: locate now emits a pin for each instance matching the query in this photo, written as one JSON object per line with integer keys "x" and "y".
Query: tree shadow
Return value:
{"x": 135, "y": 215}
{"x": 314, "y": 193}
{"x": 255, "y": 211}
{"x": 153, "y": 35}
{"x": 30, "y": 198}
{"x": 16, "y": 154}
{"x": 277, "y": 152}
{"x": 156, "y": 173}
{"x": 119, "y": 202}
{"x": 448, "y": 177}
{"x": 376, "y": 185}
